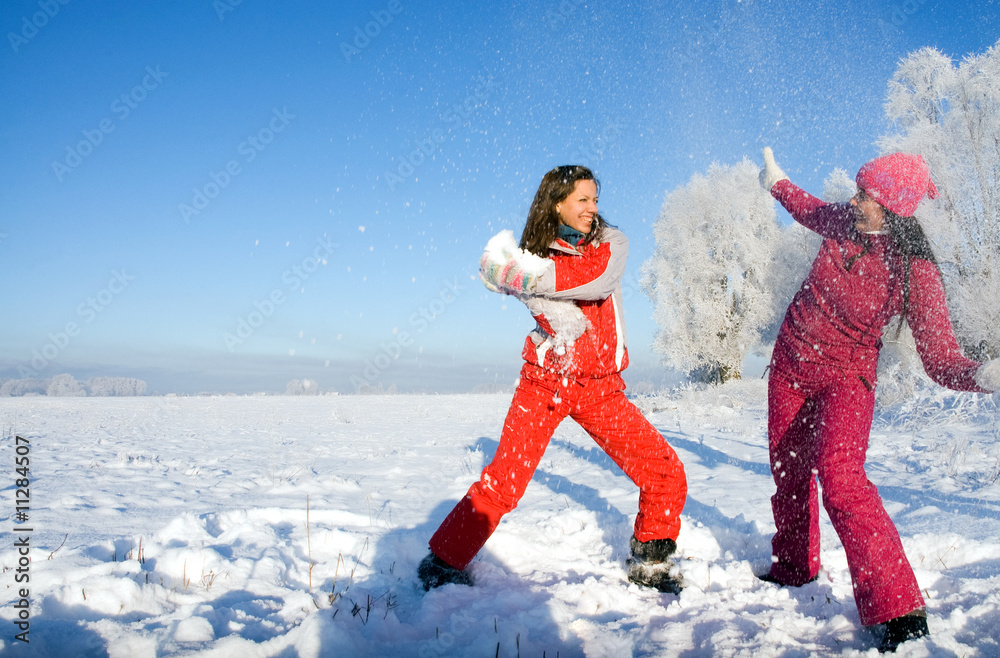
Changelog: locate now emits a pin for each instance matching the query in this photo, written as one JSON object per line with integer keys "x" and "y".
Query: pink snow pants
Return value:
{"x": 600, "y": 407}
{"x": 822, "y": 433}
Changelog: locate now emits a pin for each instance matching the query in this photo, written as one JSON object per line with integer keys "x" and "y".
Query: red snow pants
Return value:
{"x": 821, "y": 433}
{"x": 600, "y": 407}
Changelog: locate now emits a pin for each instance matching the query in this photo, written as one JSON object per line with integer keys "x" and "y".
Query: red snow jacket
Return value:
{"x": 835, "y": 321}
{"x": 590, "y": 276}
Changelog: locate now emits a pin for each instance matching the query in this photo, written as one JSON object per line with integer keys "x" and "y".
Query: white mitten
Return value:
{"x": 771, "y": 173}
{"x": 506, "y": 276}
{"x": 505, "y": 268}
{"x": 563, "y": 316}
{"x": 988, "y": 375}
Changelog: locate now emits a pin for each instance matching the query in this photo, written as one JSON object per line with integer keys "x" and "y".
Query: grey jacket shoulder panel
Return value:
{"x": 597, "y": 289}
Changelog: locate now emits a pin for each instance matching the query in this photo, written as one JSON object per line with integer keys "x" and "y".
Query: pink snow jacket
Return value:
{"x": 589, "y": 276}
{"x": 835, "y": 321}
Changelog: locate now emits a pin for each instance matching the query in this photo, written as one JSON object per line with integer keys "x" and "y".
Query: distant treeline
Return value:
{"x": 67, "y": 386}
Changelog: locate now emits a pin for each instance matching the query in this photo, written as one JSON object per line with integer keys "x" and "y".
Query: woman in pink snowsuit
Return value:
{"x": 568, "y": 272}
{"x": 874, "y": 263}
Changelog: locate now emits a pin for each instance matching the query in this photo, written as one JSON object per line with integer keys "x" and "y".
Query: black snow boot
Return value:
{"x": 434, "y": 572}
{"x": 650, "y": 565}
{"x": 908, "y": 627}
{"x": 768, "y": 578}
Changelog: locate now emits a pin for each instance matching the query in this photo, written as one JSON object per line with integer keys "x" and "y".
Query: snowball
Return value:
{"x": 502, "y": 248}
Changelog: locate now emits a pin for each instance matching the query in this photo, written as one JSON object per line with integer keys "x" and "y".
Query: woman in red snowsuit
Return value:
{"x": 569, "y": 275}
{"x": 874, "y": 263}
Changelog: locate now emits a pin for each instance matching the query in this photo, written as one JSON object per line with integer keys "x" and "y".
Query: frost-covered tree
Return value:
{"x": 708, "y": 278}
{"x": 839, "y": 187}
{"x": 20, "y": 387}
{"x": 951, "y": 115}
{"x": 65, "y": 386}
{"x": 303, "y": 387}
{"x": 115, "y": 386}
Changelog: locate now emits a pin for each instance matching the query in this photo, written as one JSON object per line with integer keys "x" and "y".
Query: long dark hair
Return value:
{"x": 542, "y": 225}
{"x": 909, "y": 238}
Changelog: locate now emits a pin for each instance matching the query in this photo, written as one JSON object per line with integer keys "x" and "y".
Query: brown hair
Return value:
{"x": 542, "y": 225}
{"x": 910, "y": 240}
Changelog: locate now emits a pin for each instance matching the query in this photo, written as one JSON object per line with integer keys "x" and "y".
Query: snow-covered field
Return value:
{"x": 292, "y": 526}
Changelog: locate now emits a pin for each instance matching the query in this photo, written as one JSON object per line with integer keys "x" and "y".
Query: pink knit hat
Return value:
{"x": 898, "y": 182}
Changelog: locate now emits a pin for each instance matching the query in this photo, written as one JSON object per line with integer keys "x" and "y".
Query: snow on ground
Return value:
{"x": 292, "y": 526}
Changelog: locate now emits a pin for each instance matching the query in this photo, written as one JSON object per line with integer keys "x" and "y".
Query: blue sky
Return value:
{"x": 222, "y": 196}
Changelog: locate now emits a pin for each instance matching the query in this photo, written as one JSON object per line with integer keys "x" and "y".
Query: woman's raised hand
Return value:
{"x": 504, "y": 268}
{"x": 988, "y": 375}
{"x": 771, "y": 173}
{"x": 507, "y": 277}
